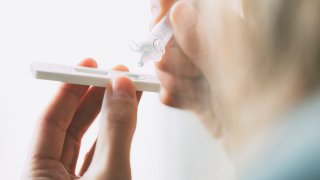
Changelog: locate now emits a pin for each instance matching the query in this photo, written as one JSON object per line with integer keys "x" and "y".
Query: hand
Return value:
{"x": 61, "y": 128}
{"x": 183, "y": 69}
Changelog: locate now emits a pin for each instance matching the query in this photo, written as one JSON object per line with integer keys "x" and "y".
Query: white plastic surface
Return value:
{"x": 91, "y": 76}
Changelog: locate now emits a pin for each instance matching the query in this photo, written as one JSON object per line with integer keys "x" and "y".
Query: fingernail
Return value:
{"x": 183, "y": 15}
{"x": 123, "y": 86}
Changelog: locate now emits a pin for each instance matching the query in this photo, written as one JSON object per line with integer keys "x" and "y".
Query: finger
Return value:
{"x": 88, "y": 110}
{"x": 124, "y": 68}
{"x": 87, "y": 159}
{"x": 86, "y": 113}
{"x": 55, "y": 121}
{"x": 189, "y": 31}
{"x": 112, "y": 156}
{"x": 176, "y": 62}
{"x": 89, "y": 155}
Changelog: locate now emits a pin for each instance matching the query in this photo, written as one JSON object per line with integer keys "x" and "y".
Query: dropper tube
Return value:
{"x": 152, "y": 48}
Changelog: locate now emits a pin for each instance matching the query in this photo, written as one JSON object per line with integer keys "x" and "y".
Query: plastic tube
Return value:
{"x": 152, "y": 48}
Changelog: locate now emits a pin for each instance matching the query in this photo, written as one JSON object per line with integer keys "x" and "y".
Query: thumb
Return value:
{"x": 189, "y": 31}
{"x": 119, "y": 115}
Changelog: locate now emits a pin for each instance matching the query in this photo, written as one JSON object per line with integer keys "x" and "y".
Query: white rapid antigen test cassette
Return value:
{"x": 91, "y": 76}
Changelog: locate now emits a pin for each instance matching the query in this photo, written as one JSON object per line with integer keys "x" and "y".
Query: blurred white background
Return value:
{"x": 169, "y": 144}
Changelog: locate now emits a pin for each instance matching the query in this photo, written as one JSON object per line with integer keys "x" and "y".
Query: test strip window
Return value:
{"x": 91, "y": 70}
